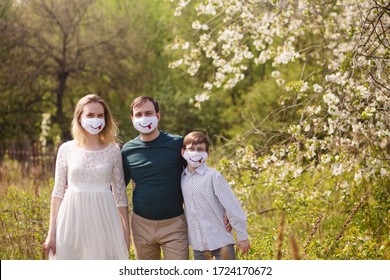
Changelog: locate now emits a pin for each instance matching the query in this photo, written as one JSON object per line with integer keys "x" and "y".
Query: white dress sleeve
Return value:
{"x": 118, "y": 180}
{"x": 61, "y": 171}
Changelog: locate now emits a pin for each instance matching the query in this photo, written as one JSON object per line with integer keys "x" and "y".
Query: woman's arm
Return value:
{"x": 123, "y": 212}
{"x": 120, "y": 194}
{"x": 50, "y": 242}
{"x": 60, "y": 182}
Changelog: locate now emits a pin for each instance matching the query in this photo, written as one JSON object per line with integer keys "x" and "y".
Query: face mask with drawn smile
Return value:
{"x": 195, "y": 158}
{"x": 145, "y": 124}
{"x": 93, "y": 125}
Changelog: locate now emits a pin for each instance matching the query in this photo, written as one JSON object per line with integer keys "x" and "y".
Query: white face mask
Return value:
{"x": 195, "y": 159}
{"x": 145, "y": 124}
{"x": 93, "y": 125}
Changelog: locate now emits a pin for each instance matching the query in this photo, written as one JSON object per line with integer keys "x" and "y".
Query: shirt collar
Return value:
{"x": 200, "y": 170}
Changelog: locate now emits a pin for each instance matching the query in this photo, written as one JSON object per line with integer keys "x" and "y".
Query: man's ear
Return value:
{"x": 158, "y": 116}
{"x": 182, "y": 152}
{"x": 131, "y": 117}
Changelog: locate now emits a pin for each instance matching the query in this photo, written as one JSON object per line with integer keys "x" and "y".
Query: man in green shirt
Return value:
{"x": 154, "y": 163}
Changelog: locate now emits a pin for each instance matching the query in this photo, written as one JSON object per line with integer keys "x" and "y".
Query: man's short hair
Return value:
{"x": 142, "y": 100}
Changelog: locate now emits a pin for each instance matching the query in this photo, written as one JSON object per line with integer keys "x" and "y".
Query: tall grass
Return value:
{"x": 24, "y": 212}
{"x": 357, "y": 228}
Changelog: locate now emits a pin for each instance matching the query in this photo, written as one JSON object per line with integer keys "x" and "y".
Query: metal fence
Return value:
{"x": 31, "y": 157}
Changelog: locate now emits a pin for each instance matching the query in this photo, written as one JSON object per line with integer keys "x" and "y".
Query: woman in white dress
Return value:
{"x": 89, "y": 212}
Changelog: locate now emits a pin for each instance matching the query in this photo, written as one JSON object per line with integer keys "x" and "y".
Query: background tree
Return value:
{"x": 330, "y": 60}
{"x": 294, "y": 92}
{"x": 115, "y": 49}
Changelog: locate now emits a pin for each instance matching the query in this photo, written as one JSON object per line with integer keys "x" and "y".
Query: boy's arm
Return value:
{"x": 232, "y": 206}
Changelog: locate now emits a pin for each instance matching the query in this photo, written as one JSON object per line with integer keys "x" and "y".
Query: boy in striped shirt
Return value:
{"x": 207, "y": 199}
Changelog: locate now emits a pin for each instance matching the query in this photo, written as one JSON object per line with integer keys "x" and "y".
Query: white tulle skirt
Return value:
{"x": 89, "y": 227}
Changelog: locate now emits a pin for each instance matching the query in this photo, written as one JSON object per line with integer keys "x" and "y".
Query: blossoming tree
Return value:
{"x": 343, "y": 131}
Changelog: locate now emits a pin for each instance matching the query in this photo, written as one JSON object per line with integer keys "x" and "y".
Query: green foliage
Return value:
{"x": 331, "y": 216}
{"x": 322, "y": 212}
{"x": 23, "y": 217}
{"x": 276, "y": 168}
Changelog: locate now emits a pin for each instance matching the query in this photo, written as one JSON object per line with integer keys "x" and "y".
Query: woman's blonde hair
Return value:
{"x": 110, "y": 130}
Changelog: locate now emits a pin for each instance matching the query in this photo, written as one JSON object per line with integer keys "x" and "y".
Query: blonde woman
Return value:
{"x": 90, "y": 219}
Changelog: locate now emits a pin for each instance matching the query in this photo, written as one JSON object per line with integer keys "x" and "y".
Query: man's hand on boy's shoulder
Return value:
{"x": 243, "y": 246}
{"x": 228, "y": 226}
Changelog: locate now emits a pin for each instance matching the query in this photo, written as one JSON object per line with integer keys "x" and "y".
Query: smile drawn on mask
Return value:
{"x": 200, "y": 160}
{"x": 99, "y": 127}
{"x": 148, "y": 126}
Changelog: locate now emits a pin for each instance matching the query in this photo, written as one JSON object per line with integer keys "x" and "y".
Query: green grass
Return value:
{"x": 333, "y": 231}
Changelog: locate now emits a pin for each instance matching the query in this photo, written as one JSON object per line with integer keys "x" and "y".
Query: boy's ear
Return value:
{"x": 182, "y": 152}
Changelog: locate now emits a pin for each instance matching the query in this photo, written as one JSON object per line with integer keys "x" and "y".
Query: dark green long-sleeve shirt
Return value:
{"x": 156, "y": 167}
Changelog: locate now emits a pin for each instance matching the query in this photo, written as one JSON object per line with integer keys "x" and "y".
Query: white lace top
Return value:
{"x": 85, "y": 170}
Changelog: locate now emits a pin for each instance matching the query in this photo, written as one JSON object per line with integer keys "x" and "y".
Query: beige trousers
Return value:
{"x": 150, "y": 236}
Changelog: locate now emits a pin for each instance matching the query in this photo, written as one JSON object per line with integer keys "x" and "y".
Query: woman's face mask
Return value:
{"x": 93, "y": 125}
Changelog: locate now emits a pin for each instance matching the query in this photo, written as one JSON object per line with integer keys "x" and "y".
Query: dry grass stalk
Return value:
{"x": 294, "y": 247}
{"x": 313, "y": 231}
{"x": 348, "y": 221}
{"x": 280, "y": 238}
{"x": 351, "y": 215}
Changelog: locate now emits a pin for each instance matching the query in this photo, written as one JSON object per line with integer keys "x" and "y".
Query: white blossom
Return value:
{"x": 275, "y": 74}
{"x": 317, "y": 88}
{"x": 285, "y": 55}
{"x": 337, "y": 169}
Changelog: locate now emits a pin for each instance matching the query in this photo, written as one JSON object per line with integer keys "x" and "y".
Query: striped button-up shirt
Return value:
{"x": 207, "y": 197}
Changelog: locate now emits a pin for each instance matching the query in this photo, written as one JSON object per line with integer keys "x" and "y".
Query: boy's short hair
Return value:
{"x": 142, "y": 100}
{"x": 196, "y": 137}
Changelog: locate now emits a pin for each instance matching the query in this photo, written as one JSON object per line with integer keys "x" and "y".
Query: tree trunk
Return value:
{"x": 60, "y": 117}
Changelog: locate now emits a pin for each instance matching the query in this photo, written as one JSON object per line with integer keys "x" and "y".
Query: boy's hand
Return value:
{"x": 243, "y": 246}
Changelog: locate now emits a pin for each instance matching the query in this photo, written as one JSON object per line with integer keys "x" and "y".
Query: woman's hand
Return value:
{"x": 50, "y": 244}
{"x": 127, "y": 239}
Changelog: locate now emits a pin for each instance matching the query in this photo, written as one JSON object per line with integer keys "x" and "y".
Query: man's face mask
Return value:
{"x": 145, "y": 124}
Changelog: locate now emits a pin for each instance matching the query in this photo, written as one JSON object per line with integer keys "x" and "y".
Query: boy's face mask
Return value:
{"x": 145, "y": 124}
{"x": 195, "y": 158}
{"x": 93, "y": 125}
